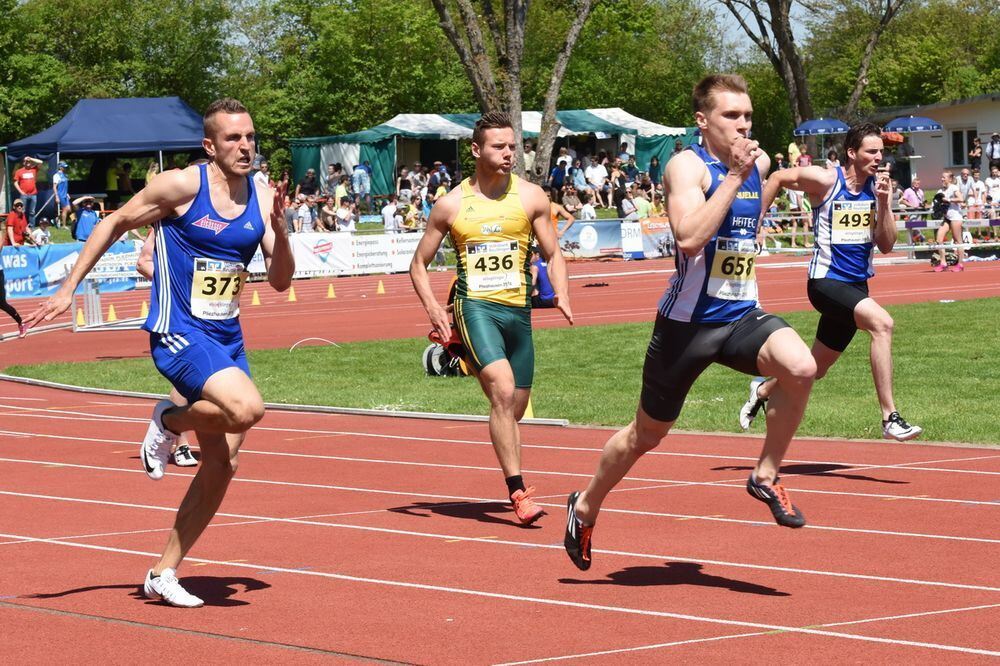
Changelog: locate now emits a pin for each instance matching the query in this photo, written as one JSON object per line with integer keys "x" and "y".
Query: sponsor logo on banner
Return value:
{"x": 210, "y": 224}
{"x": 322, "y": 249}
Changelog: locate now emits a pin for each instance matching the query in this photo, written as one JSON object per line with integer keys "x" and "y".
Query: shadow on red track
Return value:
{"x": 214, "y": 590}
{"x": 675, "y": 573}
{"x": 483, "y": 512}
{"x": 814, "y": 469}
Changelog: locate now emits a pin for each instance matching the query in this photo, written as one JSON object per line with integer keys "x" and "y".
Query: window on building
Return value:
{"x": 961, "y": 143}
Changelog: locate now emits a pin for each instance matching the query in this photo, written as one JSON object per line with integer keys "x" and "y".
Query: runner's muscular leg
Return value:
{"x": 204, "y": 496}
{"x": 872, "y": 317}
{"x": 497, "y": 380}
{"x": 621, "y": 452}
{"x": 230, "y": 403}
{"x": 786, "y": 358}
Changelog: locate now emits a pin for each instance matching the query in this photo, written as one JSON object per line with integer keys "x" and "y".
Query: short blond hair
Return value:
{"x": 702, "y": 97}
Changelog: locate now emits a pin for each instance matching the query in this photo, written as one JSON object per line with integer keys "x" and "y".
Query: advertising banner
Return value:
{"x": 33, "y": 271}
{"x": 592, "y": 238}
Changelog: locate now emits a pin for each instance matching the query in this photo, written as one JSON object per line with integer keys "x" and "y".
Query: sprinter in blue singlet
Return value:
{"x": 209, "y": 220}
{"x": 852, "y": 214}
{"x": 710, "y": 312}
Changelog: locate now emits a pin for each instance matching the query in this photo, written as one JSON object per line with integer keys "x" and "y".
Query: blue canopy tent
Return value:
{"x": 821, "y": 126}
{"x": 115, "y": 126}
{"x": 129, "y": 125}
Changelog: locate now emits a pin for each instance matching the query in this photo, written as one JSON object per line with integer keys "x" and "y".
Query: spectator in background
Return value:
{"x": 655, "y": 171}
{"x": 529, "y": 158}
{"x": 779, "y": 162}
{"x": 627, "y": 208}
{"x": 340, "y": 193}
{"x": 992, "y": 150}
{"x": 60, "y": 185}
{"x": 912, "y": 197}
{"x": 262, "y": 178}
{"x": 578, "y": 176}
{"x": 993, "y": 185}
{"x": 86, "y": 218}
{"x": 793, "y": 153}
{"x": 642, "y": 204}
{"x": 389, "y": 214}
{"x": 832, "y": 160}
{"x": 976, "y": 154}
{"x": 556, "y": 181}
{"x": 309, "y": 185}
{"x": 678, "y": 147}
{"x": 361, "y": 183}
{"x": 328, "y": 215}
{"x": 404, "y": 184}
{"x": 631, "y": 170}
{"x": 804, "y": 159}
{"x": 16, "y": 232}
{"x": 904, "y": 166}
{"x": 333, "y": 174}
{"x": 345, "y": 215}
{"x": 41, "y": 235}
{"x": 571, "y": 200}
{"x": 111, "y": 180}
{"x": 542, "y": 293}
{"x": 26, "y": 183}
{"x": 290, "y": 214}
{"x": 152, "y": 170}
{"x": 303, "y": 214}
{"x": 617, "y": 183}
{"x": 656, "y": 206}
{"x": 952, "y": 222}
{"x": 125, "y": 182}
{"x": 22, "y": 330}
{"x": 587, "y": 211}
{"x": 623, "y": 152}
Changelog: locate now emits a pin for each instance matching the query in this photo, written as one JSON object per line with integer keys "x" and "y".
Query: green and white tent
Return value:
{"x": 397, "y": 140}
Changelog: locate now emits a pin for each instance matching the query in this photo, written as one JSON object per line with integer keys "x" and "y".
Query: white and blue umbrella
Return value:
{"x": 821, "y": 126}
{"x": 913, "y": 124}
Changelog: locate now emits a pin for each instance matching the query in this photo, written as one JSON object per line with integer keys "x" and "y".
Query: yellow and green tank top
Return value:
{"x": 492, "y": 240}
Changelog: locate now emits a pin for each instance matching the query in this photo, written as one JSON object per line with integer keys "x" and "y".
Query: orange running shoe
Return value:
{"x": 524, "y": 506}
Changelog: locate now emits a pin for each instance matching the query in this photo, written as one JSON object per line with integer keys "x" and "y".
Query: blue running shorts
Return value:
{"x": 188, "y": 359}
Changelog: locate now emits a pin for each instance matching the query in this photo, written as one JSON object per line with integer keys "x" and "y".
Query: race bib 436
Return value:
{"x": 492, "y": 266}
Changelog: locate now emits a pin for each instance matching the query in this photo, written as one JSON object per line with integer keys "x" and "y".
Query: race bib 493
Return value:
{"x": 851, "y": 222}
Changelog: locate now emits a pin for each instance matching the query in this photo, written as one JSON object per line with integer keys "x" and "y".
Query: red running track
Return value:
{"x": 630, "y": 294}
{"x": 382, "y": 539}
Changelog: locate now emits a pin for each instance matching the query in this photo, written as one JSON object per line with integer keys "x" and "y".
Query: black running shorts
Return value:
{"x": 680, "y": 351}
{"x": 835, "y": 301}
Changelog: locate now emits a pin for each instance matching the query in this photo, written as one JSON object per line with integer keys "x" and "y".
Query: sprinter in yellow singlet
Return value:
{"x": 492, "y": 219}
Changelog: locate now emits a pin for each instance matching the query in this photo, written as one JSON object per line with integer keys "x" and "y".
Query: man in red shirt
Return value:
{"x": 17, "y": 226}
{"x": 26, "y": 184}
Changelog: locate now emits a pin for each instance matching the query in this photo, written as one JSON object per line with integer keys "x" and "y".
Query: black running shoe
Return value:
{"x": 577, "y": 540}
{"x": 776, "y": 497}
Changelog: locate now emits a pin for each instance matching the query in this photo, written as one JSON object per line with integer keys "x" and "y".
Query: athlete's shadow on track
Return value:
{"x": 675, "y": 573}
{"x": 485, "y": 512}
{"x": 213, "y": 590}
{"x": 814, "y": 469}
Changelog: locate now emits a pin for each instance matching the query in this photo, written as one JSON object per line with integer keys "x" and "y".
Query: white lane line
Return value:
{"x": 11, "y": 397}
{"x": 738, "y": 521}
{"x": 757, "y": 633}
{"x": 51, "y": 414}
{"x": 531, "y": 600}
{"x": 522, "y": 544}
{"x": 660, "y": 483}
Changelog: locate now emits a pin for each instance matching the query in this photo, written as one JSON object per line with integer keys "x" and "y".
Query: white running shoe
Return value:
{"x": 167, "y": 587}
{"x": 155, "y": 448}
{"x": 753, "y": 404}
{"x": 183, "y": 456}
{"x": 895, "y": 427}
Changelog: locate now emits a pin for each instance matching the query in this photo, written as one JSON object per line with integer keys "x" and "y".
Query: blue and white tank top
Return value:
{"x": 844, "y": 224}
{"x": 719, "y": 284}
{"x": 200, "y": 261}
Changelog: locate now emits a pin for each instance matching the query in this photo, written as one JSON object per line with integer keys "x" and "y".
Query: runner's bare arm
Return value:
{"x": 161, "y": 198}
{"x": 444, "y": 211}
{"x": 885, "y": 220}
{"x": 568, "y": 216}
{"x": 537, "y": 207}
{"x": 144, "y": 265}
{"x": 693, "y": 218}
{"x": 815, "y": 181}
{"x": 274, "y": 245}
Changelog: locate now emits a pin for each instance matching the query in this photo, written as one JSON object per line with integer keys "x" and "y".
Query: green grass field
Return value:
{"x": 944, "y": 352}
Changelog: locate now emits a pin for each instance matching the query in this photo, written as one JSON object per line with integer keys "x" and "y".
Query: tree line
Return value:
{"x": 318, "y": 67}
